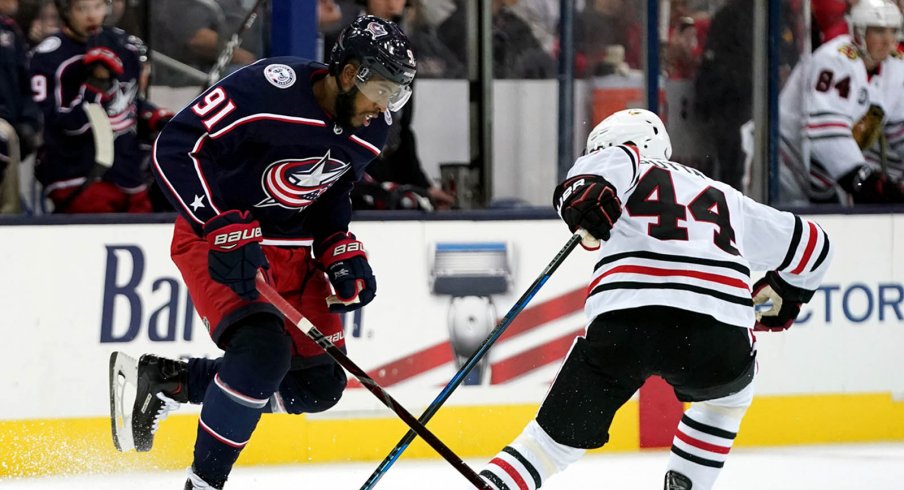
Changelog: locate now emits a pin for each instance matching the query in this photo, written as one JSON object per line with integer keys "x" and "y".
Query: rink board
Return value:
{"x": 83, "y": 291}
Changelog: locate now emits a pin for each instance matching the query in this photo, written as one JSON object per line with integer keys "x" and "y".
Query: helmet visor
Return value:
{"x": 384, "y": 92}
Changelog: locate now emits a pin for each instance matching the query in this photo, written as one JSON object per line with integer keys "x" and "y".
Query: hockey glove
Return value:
{"x": 235, "y": 252}
{"x": 151, "y": 121}
{"x": 345, "y": 262}
{"x": 102, "y": 66}
{"x": 786, "y": 302}
{"x": 868, "y": 185}
{"x": 588, "y": 202}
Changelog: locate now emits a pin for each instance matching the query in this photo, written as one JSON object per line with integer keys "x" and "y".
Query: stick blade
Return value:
{"x": 102, "y": 130}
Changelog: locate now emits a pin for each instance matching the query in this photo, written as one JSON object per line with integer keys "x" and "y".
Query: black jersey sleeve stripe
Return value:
{"x": 795, "y": 242}
{"x": 495, "y": 480}
{"x": 738, "y": 300}
{"x": 707, "y": 429}
{"x": 825, "y": 250}
{"x": 830, "y": 136}
{"x": 828, "y": 113}
{"x": 538, "y": 482}
{"x": 634, "y": 161}
{"x": 673, "y": 258}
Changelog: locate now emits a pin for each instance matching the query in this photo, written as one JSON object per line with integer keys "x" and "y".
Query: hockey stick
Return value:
{"x": 475, "y": 358}
{"x": 234, "y": 42}
{"x": 102, "y": 132}
{"x": 311, "y": 331}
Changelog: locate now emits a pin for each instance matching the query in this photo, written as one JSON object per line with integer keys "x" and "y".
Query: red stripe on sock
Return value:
{"x": 511, "y": 472}
{"x": 697, "y": 443}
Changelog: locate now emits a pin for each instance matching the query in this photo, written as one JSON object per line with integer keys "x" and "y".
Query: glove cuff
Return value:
{"x": 788, "y": 291}
{"x": 232, "y": 229}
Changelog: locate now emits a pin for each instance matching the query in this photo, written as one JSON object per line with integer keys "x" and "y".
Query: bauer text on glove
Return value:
{"x": 235, "y": 254}
{"x": 345, "y": 262}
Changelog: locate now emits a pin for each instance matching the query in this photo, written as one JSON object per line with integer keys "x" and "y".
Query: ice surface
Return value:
{"x": 835, "y": 467}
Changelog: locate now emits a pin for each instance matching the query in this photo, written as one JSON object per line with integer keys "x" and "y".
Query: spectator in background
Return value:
{"x": 600, "y": 26}
{"x": 87, "y": 63}
{"x": 252, "y": 47}
{"x": 724, "y": 85}
{"x": 435, "y": 59}
{"x": 19, "y": 116}
{"x": 516, "y": 52}
{"x": 195, "y": 37}
{"x": 828, "y": 20}
{"x": 329, "y": 19}
{"x": 396, "y": 180}
{"x": 38, "y": 20}
{"x": 9, "y": 8}
{"x": 682, "y": 55}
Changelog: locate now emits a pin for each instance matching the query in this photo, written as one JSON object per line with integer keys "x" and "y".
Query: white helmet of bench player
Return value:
{"x": 872, "y": 13}
{"x": 638, "y": 126}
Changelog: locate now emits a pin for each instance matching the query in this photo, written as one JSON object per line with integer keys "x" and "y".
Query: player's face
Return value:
{"x": 881, "y": 42}
{"x": 364, "y": 110}
{"x": 386, "y": 9}
{"x": 87, "y": 16}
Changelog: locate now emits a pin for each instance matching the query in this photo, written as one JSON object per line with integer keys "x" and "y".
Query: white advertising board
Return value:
{"x": 73, "y": 294}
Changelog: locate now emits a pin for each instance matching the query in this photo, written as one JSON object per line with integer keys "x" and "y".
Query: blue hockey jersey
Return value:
{"x": 57, "y": 80}
{"x": 258, "y": 141}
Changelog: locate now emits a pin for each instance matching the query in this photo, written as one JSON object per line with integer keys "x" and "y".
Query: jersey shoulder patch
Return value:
{"x": 279, "y": 75}
{"x": 848, "y": 51}
{"x": 49, "y": 45}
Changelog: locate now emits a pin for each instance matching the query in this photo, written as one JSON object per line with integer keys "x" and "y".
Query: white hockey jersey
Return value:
{"x": 690, "y": 242}
{"x": 821, "y": 102}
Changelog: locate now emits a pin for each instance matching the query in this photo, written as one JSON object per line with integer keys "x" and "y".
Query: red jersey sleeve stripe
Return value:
{"x": 808, "y": 251}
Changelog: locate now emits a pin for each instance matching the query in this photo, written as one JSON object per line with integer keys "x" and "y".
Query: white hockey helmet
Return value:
{"x": 872, "y": 13}
{"x": 638, "y": 126}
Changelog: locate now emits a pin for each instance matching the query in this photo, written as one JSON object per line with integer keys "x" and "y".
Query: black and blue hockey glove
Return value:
{"x": 588, "y": 202}
{"x": 345, "y": 262}
{"x": 235, "y": 255}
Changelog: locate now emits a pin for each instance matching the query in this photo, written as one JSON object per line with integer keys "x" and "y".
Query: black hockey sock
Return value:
{"x": 201, "y": 371}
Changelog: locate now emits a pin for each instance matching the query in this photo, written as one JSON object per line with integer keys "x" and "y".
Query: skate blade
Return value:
{"x": 123, "y": 377}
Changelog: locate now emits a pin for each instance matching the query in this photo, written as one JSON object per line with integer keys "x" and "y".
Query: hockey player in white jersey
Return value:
{"x": 670, "y": 295}
{"x": 835, "y": 106}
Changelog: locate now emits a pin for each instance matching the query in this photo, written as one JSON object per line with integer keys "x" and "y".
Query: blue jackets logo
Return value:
{"x": 296, "y": 183}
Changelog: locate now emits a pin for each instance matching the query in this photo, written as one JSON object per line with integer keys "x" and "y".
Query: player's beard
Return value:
{"x": 345, "y": 108}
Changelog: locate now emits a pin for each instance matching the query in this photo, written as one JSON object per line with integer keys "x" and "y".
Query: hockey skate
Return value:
{"x": 159, "y": 387}
{"x": 195, "y": 482}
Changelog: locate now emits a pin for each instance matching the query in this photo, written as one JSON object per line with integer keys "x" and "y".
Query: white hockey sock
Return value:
{"x": 529, "y": 460}
{"x": 705, "y": 436}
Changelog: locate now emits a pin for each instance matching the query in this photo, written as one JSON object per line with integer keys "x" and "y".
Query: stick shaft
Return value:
{"x": 234, "y": 42}
{"x": 473, "y": 360}
{"x": 311, "y": 331}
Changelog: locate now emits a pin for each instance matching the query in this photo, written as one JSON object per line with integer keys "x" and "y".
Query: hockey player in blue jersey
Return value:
{"x": 20, "y": 118}
{"x": 87, "y": 63}
{"x": 260, "y": 167}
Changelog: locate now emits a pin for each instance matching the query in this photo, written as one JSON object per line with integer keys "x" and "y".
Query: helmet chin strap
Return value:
{"x": 345, "y": 106}
{"x": 859, "y": 38}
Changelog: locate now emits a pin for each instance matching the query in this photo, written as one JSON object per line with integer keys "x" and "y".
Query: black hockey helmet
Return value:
{"x": 379, "y": 46}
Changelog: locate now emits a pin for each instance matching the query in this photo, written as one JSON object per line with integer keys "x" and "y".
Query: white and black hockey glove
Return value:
{"x": 588, "y": 202}
{"x": 786, "y": 302}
